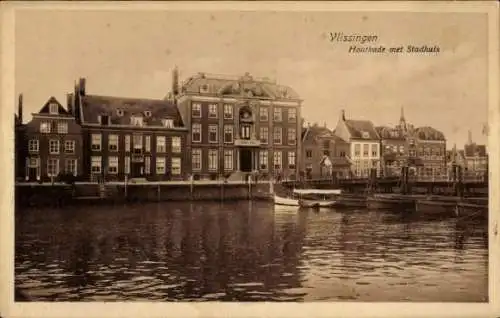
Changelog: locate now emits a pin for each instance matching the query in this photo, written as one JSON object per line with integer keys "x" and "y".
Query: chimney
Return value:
{"x": 69, "y": 103}
{"x": 175, "y": 81}
{"x": 20, "y": 108}
{"x": 81, "y": 86}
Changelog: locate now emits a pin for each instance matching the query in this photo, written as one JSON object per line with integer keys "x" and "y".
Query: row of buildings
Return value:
{"x": 211, "y": 126}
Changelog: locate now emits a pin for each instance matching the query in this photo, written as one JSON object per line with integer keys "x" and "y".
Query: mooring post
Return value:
{"x": 191, "y": 186}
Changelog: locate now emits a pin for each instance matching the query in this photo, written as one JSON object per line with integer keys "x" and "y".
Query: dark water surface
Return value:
{"x": 246, "y": 251}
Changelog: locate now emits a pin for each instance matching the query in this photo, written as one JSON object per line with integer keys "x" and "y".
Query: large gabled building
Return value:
{"x": 129, "y": 137}
{"x": 364, "y": 141}
{"x": 239, "y": 124}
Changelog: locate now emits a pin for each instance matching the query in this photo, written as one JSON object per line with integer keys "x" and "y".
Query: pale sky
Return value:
{"x": 131, "y": 54}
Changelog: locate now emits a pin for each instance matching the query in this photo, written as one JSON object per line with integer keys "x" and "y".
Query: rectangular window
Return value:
{"x": 62, "y": 128}
{"x": 374, "y": 151}
{"x": 161, "y": 145}
{"x": 127, "y": 143}
{"x": 357, "y": 150}
{"x": 147, "y": 147}
{"x": 52, "y": 167}
{"x": 176, "y": 144}
{"x": 228, "y": 160}
{"x": 176, "y": 166}
{"x": 45, "y": 127}
{"x": 264, "y": 113}
{"x": 137, "y": 141}
{"x": 113, "y": 165}
{"x": 245, "y": 132}
{"x": 53, "y": 108}
{"x": 95, "y": 164}
{"x": 264, "y": 135}
{"x": 278, "y": 161}
{"x": 213, "y": 161}
{"x": 365, "y": 150}
{"x": 33, "y": 145}
{"x": 69, "y": 146}
{"x": 160, "y": 165}
{"x": 292, "y": 138}
{"x": 127, "y": 165}
{"x": 292, "y": 115}
{"x": 309, "y": 153}
{"x": 136, "y": 121}
{"x": 54, "y": 146}
{"x": 277, "y": 136}
{"x": 291, "y": 159}
{"x": 263, "y": 159}
{"x": 96, "y": 142}
{"x": 113, "y": 142}
{"x": 228, "y": 133}
{"x": 196, "y": 110}
{"x": 70, "y": 167}
{"x": 147, "y": 165}
{"x": 196, "y": 134}
{"x": 212, "y": 110}
{"x": 228, "y": 111}
{"x": 196, "y": 159}
{"x": 212, "y": 133}
{"x": 168, "y": 123}
{"x": 277, "y": 114}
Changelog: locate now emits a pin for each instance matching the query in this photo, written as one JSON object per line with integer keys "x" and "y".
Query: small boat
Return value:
{"x": 317, "y": 203}
{"x": 317, "y": 198}
{"x": 436, "y": 205}
{"x": 285, "y": 201}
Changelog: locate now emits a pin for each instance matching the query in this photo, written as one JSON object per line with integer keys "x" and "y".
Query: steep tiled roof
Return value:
{"x": 429, "y": 133}
{"x": 314, "y": 131}
{"x": 389, "y": 133}
{"x": 120, "y": 109}
{"x": 472, "y": 150}
{"x": 45, "y": 110}
{"x": 357, "y": 127}
{"x": 245, "y": 85}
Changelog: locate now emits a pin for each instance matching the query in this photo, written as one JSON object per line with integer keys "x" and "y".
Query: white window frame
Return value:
{"x": 126, "y": 167}
{"x": 277, "y": 141}
{"x": 113, "y": 142}
{"x": 196, "y": 154}
{"x": 161, "y": 165}
{"x": 54, "y": 146}
{"x": 263, "y": 160}
{"x": 96, "y": 162}
{"x": 55, "y": 166}
{"x": 69, "y": 146}
{"x": 53, "y": 108}
{"x": 137, "y": 121}
{"x": 113, "y": 164}
{"x": 45, "y": 127}
{"x": 292, "y": 111}
{"x": 213, "y": 129}
{"x": 168, "y": 122}
{"x": 62, "y": 127}
{"x": 138, "y": 141}
{"x": 196, "y": 108}
{"x": 69, "y": 163}
{"x": 147, "y": 143}
{"x": 213, "y": 160}
{"x": 96, "y": 142}
{"x": 211, "y": 113}
{"x": 278, "y": 114}
{"x": 33, "y": 145}
{"x": 227, "y": 129}
{"x": 147, "y": 165}
{"x": 292, "y": 136}
{"x": 264, "y": 131}
{"x": 127, "y": 143}
{"x": 196, "y": 128}
{"x": 278, "y": 160}
{"x": 264, "y": 113}
{"x": 176, "y": 144}
{"x": 228, "y": 111}
{"x": 228, "y": 160}
{"x": 176, "y": 166}
{"x": 161, "y": 144}
{"x": 292, "y": 159}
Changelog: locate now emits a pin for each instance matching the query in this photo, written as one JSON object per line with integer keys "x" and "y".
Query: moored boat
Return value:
{"x": 317, "y": 203}
{"x": 436, "y": 205}
{"x": 317, "y": 198}
{"x": 473, "y": 208}
{"x": 278, "y": 200}
{"x": 390, "y": 202}
{"x": 351, "y": 201}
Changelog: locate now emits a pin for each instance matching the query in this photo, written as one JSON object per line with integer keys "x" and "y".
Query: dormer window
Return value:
{"x": 53, "y": 108}
{"x": 103, "y": 120}
{"x": 119, "y": 112}
{"x": 168, "y": 122}
{"x": 136, "y": 121}
{"x": 204, "y": 88}
{"x": 147, "y": 113}
{"x": 365, "y": 134}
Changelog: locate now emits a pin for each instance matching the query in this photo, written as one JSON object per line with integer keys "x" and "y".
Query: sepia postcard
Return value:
{"x": 250, "y": 159}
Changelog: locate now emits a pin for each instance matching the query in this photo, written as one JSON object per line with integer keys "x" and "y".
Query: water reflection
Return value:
{"x": 246, "y": 251}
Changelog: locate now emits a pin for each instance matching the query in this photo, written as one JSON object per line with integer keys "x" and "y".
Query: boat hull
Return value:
{"x": 436, "y": 207}
{"x": 390, "y": 203}
{"x": 351, "y": 202}
{"x": 285, "y": 201}
{"x": 317, "y": 203}
{"x": 472, "y": 210}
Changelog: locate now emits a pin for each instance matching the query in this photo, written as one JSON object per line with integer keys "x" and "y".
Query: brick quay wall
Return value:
{"x": 93, "y": 193}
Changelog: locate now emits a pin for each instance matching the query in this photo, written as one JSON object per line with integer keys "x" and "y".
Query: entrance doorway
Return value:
{"x": 137, "y": 169}
{"x": 246, "y": 160}
{"x": 32, "y": 173}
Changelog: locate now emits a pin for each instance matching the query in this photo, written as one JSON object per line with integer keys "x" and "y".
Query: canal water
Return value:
{"x": 246, "y": 251}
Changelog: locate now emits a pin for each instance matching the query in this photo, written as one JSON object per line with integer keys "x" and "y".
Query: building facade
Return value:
{"x": 53, "y": 143}
{"x": 20, "y": 146}
{"x": 127, "y": 138}
{"x": 364, "y": 145}
{"x": 430, "y": 150}
{"x": 239, "y": 125}
{"x": 476, "y": 158}
{"x": 324, "y": 154}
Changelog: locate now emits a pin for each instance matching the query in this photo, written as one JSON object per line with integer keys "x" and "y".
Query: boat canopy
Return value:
{"x": 317, "y": 191}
